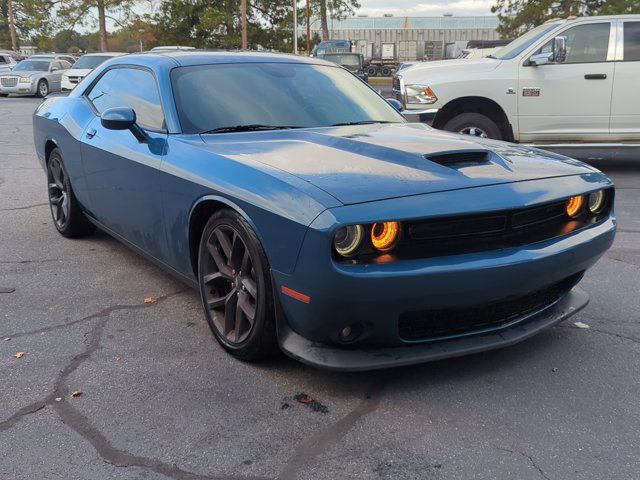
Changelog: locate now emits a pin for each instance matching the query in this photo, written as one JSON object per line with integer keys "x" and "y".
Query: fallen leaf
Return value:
{"x": 7, "y": 339}
{"x": 554, "y": 369}
{"x": 18, "y": 354}
{"x": 58, "y": 399}
{"x": 150, "y": 300}
{"x": 303, "y": 398}
{"x": 75, "y": 393}
{"x": 581, "y": 325}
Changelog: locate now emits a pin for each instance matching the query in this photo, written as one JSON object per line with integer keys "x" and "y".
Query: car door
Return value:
{"x": 55, "y": 76}
{"x": 625, "y": 101}
{"x": 569, "y": 100}
{"x": 121, "y": 172}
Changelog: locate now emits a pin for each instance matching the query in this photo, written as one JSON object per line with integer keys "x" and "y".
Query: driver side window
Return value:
{"x": 587, "y": 43}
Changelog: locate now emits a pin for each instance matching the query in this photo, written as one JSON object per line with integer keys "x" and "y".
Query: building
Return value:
{"x": 414, "y": 38}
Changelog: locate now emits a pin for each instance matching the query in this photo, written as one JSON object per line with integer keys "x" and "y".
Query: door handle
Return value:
{"x": 595, "y": 76}
{"x": 91, "y": 133}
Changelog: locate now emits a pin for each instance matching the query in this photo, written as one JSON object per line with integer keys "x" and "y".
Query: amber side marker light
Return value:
{"x": 385, "y": 235}
{"x": 574, "y": 206}
{"x": 297, "y": 295}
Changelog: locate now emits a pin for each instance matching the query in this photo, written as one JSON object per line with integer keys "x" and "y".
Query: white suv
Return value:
{"x": 565, "y": 82}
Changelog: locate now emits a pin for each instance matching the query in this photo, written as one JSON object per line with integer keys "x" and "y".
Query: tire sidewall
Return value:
{"x": 55, "y": 154}
{"x": 42, "y": 81}
{"x": 466, "y": 120}
{"x": 260, "y": 265}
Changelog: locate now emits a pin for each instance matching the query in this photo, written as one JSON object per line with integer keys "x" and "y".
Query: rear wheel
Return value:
{"x": 67, "y": 215}
{"x": 474, "y": 124}
{"x": 385, "y": 71}
{"x": 372, "y": 71}
{"x": 43, "y": 89}
{"x": 235, "y": 287}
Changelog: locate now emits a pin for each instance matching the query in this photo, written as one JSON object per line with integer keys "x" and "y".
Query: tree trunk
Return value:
{"x": 102, "y": 27}
{"x": 243, "y": 9}
{"x": 12, "y": 26}
{"x": 323, "y": 19}
{"x": 308, "y": 28}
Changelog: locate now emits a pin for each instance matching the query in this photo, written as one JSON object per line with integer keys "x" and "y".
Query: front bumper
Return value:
{"x": 345, "y": 359}
{"x": 19, "y": 89}
{"x": 372, "y": 298}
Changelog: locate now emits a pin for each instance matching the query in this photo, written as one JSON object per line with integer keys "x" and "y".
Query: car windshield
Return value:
{"x": 272, "y": 95}
{"x": 520, "y": 44}
{"x": 90, "y": 62}
{"x": 32, "y": 66}
{"x": 344, "y": 59}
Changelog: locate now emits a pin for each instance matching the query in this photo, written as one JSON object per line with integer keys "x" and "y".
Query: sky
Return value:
{"x": 423, "y": 8}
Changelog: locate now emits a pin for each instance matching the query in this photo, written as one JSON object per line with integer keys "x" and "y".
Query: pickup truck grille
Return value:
{"x": 8, "y": 81}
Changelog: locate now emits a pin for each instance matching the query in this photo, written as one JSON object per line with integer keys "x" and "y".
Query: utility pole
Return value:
{"x": 244, "y": 24}
{"x": 12, "y": 26}
{"x": 308, "y": 29}
{"x": 295, "y": 27}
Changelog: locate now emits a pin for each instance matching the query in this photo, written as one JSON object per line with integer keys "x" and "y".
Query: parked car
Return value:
{"x": 331, "y": 46}
{"x": 84, "y": 66}
{"x": 310, "y": 215}
{"x": 566, "y": 82}
{"x": 469, "y": 53}
{"x": 37, "y": 75}
{"x": 169, "y": 48}
{"x": 6, "y": 62}
{"x": 351, "y": 61}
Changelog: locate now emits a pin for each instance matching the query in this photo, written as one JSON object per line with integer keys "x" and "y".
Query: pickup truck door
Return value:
{"x": 625, "y": 102}
{"x": 570, "y": 101}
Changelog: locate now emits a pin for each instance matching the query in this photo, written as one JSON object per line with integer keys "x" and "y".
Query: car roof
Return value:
{"x": 206, "y": 57}
{"x": 103, "y": 54}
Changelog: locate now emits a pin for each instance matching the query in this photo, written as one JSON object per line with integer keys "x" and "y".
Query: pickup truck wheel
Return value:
{"x": 474, "y": 124}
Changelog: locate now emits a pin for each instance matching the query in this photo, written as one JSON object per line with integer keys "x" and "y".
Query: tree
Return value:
{"x": 519, "y": 16}
{"x": 81, "y": 12}
{"x": 339, "y": 9}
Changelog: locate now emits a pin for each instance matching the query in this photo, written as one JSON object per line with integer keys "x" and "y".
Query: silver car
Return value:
{"x": 6, "y": 62}
{"x": 37, "y": 75}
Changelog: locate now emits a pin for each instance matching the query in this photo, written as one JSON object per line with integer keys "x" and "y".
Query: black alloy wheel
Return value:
{"x": 235, "y": 287}
{"x": 68, "y": 217}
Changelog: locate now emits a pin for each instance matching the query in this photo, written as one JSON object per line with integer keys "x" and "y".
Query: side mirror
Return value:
{"x": 395, "y": 104}
{"x": 559, "y": 49}
{"x": 122, "y": 118}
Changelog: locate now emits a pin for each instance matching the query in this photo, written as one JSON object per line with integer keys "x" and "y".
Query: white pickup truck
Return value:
{"x": 566, "y": 82}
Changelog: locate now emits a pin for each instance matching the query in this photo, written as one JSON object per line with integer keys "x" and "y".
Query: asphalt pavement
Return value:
{"x": 111, "y": 386}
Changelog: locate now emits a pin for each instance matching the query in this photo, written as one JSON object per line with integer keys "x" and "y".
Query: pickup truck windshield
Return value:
{"x": 273, "y": 96}
{"x": 520, "y": 44}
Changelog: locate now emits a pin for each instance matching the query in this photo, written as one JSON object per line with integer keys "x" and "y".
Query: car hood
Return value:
{"x": 78, "y": 72}
{"x": 418, "y": 71}
{"x": 21, "y": 73}
{"x": 366, "y": 163}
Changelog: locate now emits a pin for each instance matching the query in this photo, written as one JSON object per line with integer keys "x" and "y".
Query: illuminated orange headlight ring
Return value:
{"x": 574, "y": 206}
{"x": 385, "y": 235}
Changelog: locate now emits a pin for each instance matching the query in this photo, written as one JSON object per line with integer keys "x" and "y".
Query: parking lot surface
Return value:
{"x": 111, "y": 386}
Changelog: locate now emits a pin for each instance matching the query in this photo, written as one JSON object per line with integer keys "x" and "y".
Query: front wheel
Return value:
{"x": 236, "y": 288}
{"x": 42, "y": 89}
{"x": 474, "y": 124}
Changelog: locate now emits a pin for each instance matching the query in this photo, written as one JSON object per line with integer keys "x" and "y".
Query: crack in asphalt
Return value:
{"x": 82, "y": 425}
{"x": 318, "y": 444}
{"x": 23, "y": 208}
{"x": 616, "y": 259}
{"x": 527, "y": 456}
{"x": 604, "y": 332}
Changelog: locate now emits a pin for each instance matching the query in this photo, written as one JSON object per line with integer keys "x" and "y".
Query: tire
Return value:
{"x": 235, "y": 285}
{"x": 43, "y": 89}
{"x": 474, "y": 124}
{"x": 385, "y": 71}
{"x": 4, "y": 94}
{"x": 68, "y": 217}
{"x": 372, "y": 71}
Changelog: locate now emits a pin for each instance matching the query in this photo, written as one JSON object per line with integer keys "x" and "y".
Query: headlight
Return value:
{"x": 420, "y": 94}
{"x": 596, "y": 202}
{"x": 25, "y": 79}
{"x": 65, "y": 78}
{"x": 347, "y": 239}
{"x": 385, "y": 235}
{"x": 574, "y": 206}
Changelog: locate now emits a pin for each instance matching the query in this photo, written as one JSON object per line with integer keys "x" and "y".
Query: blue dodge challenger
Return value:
{"x": 313, "y": 217}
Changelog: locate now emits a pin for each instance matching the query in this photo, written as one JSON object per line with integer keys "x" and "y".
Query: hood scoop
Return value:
{"x": 458, "y": 158}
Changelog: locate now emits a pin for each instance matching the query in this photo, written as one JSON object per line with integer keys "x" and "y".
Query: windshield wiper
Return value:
{"x": 361, "y": 122}
{"x": 491, "y": 56}
{"x": 248, "y": 128}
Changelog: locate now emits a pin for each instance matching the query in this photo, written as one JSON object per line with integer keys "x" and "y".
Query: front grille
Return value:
{"x": 74, "y": 79}
{"x": 441, "y": 324}
{"x": 8, "y": 81}
{"x": 396, "y": 83}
